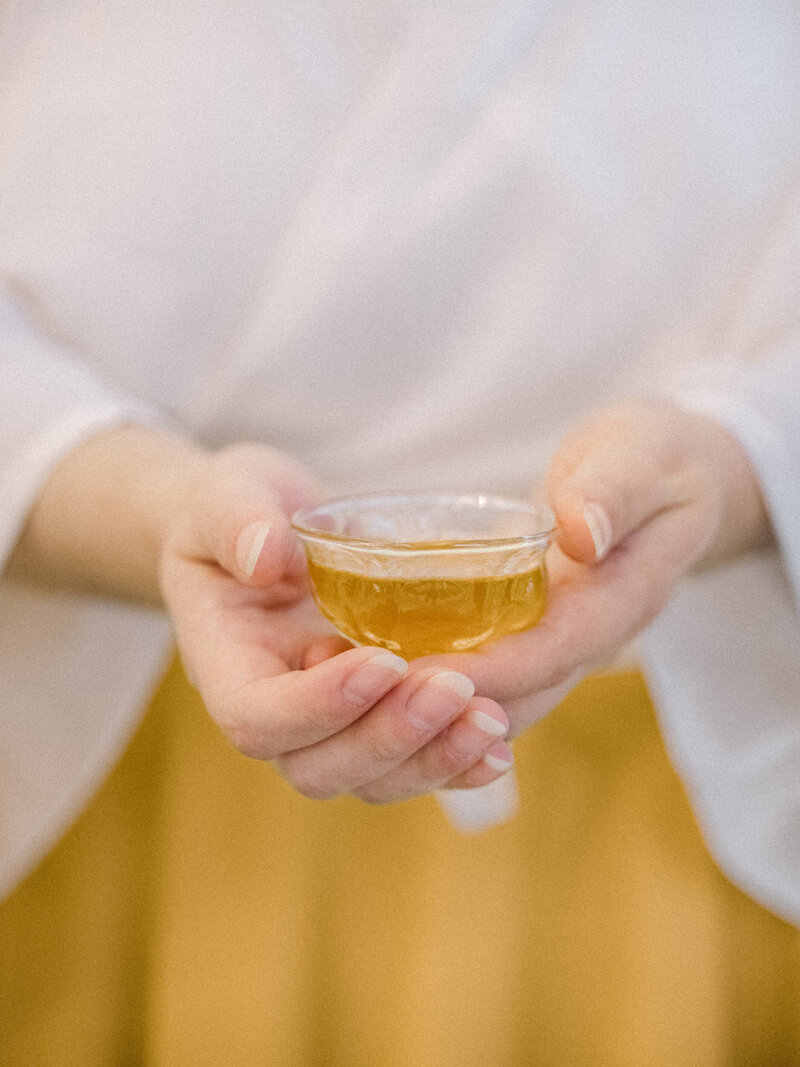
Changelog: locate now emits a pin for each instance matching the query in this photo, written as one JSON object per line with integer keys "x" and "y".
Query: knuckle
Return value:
{"x": 457, "y": 753}
{"x": 383, "y": 749}
{"x": 453, "y": 760}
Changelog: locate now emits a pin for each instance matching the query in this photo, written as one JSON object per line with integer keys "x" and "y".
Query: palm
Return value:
{"x": 232, "y": 635}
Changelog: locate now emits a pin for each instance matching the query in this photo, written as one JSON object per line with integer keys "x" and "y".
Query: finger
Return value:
{"x": 471, "y": 751}
{"x": 592, "y": 612}
{"x": 396, "y": 728}
{"x": 239, "y": 517}
{"x": 270, "y": 716}
{"x": 495, "y": 763}
{"x": 531, "y": 708}
{"x": 615, "y": 472}
{"x": 251, "y": 539}
{"x": 267, "y": 675}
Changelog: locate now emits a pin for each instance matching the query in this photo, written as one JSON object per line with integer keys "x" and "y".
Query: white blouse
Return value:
{"x": 410, "y": 245}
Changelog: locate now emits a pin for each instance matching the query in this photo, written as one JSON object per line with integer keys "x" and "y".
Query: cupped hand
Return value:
{"x": 274, "y": 676}
{"x": 642, "y": 493}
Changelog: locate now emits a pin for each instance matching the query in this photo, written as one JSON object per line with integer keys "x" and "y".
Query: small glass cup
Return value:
{"x": 427, "y": 574}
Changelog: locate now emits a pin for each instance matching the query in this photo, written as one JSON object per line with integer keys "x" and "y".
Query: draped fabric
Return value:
{"x": 202, "y": 913}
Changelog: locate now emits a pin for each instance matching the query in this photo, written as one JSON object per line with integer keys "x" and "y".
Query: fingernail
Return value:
{"x": 389, "y": 661}
{"x": 374, "y": 678}
{"x": 458, "y": 683}
{"x": 497, "y": 763}
{"x": 486, "y": 723}
{"x": 599, "y": 526}
{"x": 249, "y": 545}
{"x": 428, "y": 709}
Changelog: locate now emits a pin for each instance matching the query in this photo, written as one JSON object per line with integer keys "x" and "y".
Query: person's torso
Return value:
{"x": 407, "y": 245}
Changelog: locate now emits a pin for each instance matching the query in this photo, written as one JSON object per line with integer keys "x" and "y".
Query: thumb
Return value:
{"x": 612, "y": 475}
{"x": 237, "y": 519}
{"x": 266, "y": 551}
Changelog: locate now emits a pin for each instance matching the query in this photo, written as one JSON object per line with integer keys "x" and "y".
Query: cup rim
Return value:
{"x": 300, "y": 522}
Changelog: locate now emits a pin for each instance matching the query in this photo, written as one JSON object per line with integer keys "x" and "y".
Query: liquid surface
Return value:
{"x": 423, "y": 616}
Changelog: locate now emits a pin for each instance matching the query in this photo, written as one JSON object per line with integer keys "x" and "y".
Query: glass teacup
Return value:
{"x": 427, "y": 574}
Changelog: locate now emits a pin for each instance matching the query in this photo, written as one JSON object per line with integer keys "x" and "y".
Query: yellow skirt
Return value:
{"x": 201, "y": 913}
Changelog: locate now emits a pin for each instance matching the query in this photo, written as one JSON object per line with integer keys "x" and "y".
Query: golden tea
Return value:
{"x": 426, "y": 574}
{"x": 420, "y": 616}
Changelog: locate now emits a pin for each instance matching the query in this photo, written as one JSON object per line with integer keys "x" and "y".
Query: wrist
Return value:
{"x": 99, "y": 522}
{"x": 742, "y": 522}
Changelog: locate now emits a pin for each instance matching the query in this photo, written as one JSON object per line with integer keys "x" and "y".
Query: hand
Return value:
{"x": 642, "y": 495}
{"x": 274, "y": 676}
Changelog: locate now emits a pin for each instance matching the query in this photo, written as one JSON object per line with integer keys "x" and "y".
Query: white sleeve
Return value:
{"x": 49, "y": 402}
{"x": 76, "y": 671}
{"x": 760, "y": 405}
{"x": 723, "y": 658}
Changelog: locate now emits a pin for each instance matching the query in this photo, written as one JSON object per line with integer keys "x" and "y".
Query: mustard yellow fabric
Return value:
{"x": 200, "y": 913}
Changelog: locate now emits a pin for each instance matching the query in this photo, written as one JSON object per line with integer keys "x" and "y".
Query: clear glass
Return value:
{"x": 427, "y": 574}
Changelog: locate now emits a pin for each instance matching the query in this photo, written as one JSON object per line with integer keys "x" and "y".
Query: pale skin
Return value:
{"x": 642, "y": 494}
